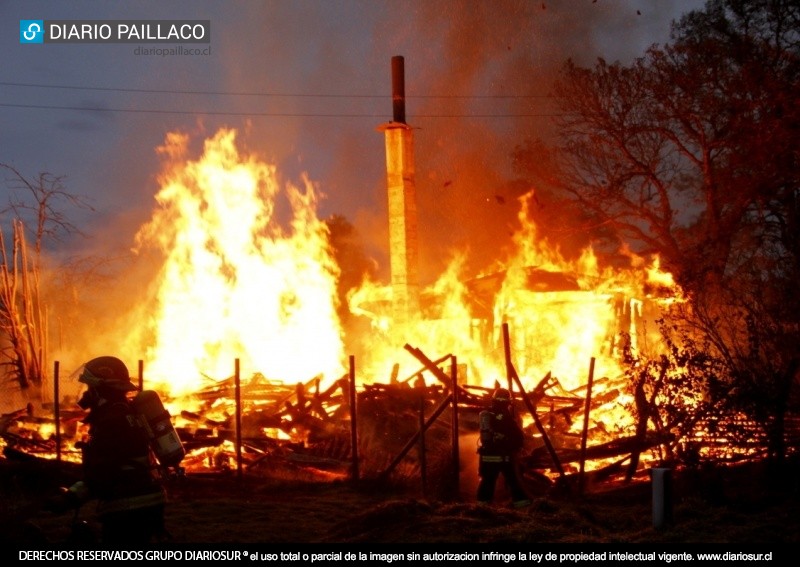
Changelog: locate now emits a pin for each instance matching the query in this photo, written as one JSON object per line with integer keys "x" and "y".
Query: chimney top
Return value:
{"x": 398, "y": 90}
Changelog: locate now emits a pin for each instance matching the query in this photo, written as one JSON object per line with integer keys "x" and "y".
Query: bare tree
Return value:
{"x": 682, "y": 151}
{"x": 691, "y": 153}
{"x": 37, "y": 203}
{"x": 23, "y": 310}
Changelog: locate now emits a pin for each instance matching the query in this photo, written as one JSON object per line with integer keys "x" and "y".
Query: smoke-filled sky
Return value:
{"x": 306, "y": 83}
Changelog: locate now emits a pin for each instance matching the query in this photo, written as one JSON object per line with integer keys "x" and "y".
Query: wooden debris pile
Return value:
{"x": 340, "y": 431}
{"x": 262, "y": 426}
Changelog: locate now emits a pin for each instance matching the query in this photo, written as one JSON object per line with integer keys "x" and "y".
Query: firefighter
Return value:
{"x": 501, "y": 438}
{"x": 117, "y": 463}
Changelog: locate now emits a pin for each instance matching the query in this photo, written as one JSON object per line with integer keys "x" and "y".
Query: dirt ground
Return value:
{"x": 734, "y": 505}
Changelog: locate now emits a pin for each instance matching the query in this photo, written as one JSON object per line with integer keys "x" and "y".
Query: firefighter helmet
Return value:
{"x": 107, "y": 372}
{"x": 501, "y": 395}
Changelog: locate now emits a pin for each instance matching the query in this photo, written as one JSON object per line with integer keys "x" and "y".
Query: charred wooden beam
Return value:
{"x": 513, "y": 376}
{"x": 433, "y": 368}
{"x": 621, "y": 446}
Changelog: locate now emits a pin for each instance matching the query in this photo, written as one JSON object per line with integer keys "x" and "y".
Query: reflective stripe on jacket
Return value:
{"x": 495, "y": 459}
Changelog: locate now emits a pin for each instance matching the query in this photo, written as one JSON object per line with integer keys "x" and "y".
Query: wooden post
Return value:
{"x": 423, "y": 469}
{"x": 353, "y": 425}
{"x": 507, "y": 355}
{"x": 661, "y": 480}
{"x": 455, "y": 432}
{"x": 238, "y": 392}
{"x": 531, "y": 407}
{"x": 585, "y": 431}
{"x": 57, "y": 410}
{"x": 141, "y": 374}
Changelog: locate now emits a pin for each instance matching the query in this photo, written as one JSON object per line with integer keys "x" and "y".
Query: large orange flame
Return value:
{"x": 561, "y": 314}
{"x": 234, "y": 283}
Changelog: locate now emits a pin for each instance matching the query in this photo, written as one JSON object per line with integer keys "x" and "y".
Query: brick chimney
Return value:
{"x": 403, "y": 241}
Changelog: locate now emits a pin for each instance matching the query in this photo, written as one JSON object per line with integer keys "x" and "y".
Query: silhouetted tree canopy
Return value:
{"x": 691, "y": 153}
{"x": 688, "y": 151}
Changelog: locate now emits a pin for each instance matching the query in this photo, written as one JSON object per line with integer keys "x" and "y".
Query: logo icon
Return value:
{"x": 31, "y": 31}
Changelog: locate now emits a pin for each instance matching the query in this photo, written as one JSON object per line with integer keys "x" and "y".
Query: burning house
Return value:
{"x": 257, "y": 378}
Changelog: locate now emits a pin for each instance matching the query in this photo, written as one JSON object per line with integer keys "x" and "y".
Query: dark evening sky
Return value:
{"x": 306, "y": 83}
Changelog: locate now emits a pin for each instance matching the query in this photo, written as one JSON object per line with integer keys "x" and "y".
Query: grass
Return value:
{"x": 735, "y": 506}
